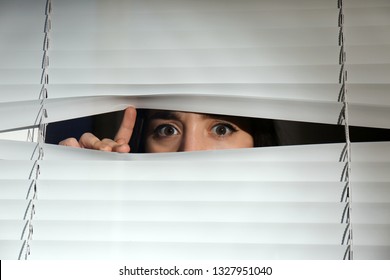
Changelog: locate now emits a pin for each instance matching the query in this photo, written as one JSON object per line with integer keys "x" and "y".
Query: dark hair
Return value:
{"x": 262, "y": 131}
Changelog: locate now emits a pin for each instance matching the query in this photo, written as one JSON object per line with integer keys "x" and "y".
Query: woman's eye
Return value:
{"x": 223, "y": 129}
{"x": 166, "y": 130}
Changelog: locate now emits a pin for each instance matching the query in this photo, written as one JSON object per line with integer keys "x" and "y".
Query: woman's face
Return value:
{"x": 169, "y": 131}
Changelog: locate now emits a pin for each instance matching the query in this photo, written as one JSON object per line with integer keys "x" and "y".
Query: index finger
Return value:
{"x": 126, "y": 128}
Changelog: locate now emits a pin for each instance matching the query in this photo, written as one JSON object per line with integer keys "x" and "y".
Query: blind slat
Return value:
{"x": 255, "y": 74}
{"x": 372, "y": 192}
{"x": 169, "y": 251}
{"x": 326, "y": 36}
{"x": 319, "y": 92}
{"x": 219, "y": 57}
{"x": 371, "y": 235}
{"x": 244, "y": 233}
{"x": 128, "y": 170}
{"x": 371, "y": 213}
{"x": 23, "y": 41}
{"x": 363, "y": 152}
{"x": 362, "y": 3}
{"x": 369, "y": 115}
{"x": 25, "y": 59}
{"x": 371, "y": 252}
{"x": 202, "y": 5}
{"x": 14, "y": 93}
{"x": 367, "y": 35}
{"x": 368, "y": 54}
{"x": 323, "y": 112}
{"x": 20, "y": 76}
{"x": 369, "y": 73}
{"x": 327, "y": 152}
{"x": 300, "y": 171}
{"x": 164, "y": 211}
{"x": 367, "y": 16}
{"x": 10, "y": 249}
{"x": 130, "y": 20}
{"x": 287, "y": 212}
{"x": 369, "y": 94}
{"x": 181, "y": 191}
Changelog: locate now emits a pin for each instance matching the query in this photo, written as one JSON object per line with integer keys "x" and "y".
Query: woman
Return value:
{"x": 173, "y": 131}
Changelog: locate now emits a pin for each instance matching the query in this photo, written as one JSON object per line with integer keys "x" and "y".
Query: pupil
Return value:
{"x": 169, "y": 131}
{"x": 221, "y": 130}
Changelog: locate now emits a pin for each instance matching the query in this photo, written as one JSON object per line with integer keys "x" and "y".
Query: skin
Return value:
{"x": 168, "y": 131}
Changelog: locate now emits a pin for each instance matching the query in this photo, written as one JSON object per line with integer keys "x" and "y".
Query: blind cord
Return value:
{"x": 347, "y": 238}
{"x": 41, "y": 125}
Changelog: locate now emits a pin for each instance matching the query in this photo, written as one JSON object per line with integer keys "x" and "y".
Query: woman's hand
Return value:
{"x": 120, "y": 143}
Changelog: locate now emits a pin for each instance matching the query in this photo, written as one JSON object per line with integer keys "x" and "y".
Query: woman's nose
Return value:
{"x": 192, "y": 142}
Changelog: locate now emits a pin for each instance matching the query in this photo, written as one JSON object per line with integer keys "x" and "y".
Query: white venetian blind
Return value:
{"x": 315, "y": 61}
